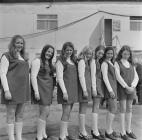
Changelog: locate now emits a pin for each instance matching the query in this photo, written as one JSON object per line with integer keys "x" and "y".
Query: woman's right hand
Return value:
{"x": 37, "y": 96}
{"x": 8, "y": 95}
{"x": 85, "y": 94}
{"x": 65, "y": 96}
{"x": 130, "y": 90}
{"x": 112, "y": 94}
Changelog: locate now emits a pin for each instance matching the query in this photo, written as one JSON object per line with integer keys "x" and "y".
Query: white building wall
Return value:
{"x": 21, "y": 19}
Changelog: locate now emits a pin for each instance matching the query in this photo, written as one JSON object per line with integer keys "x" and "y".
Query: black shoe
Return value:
{"x": 99, "y": 137}
{"x": 102, "y": 134}
{"x": 62, "y": 139}
{"x": 110, "y": 136}
{"x": 82, "y": 137}
{"x": 131, "y": 135}
{"x": 115, "y": 134}
{"x": 124, "y": 137}
{"x": 46, "y": 138}
{"x": 70, "y": 137}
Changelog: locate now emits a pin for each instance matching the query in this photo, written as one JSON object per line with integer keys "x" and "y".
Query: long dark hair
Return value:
{"x": 106, "y": 50}
{"x": 42, "y": 56}
{"x": 12, "y": 50}
{"x": 62, "y": 55}
{"x": 125, "y": 48}
{"x": 100, "y": 47}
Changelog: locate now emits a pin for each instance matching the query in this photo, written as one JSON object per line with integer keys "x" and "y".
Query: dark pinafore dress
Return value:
{"x": 99, "y": 81}
{"x": 128, "y": 76}
{"x": 45, "y": 85}
{"x": 18, "y": 81}
{"x": 88, "y": 81}
{"x": 70, "y": 77}
{"x": 112, "y": 81}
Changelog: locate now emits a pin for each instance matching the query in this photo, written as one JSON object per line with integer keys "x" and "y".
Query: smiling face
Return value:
{"x": 125, "y": 54}
{"x": 19, "y": 44}
{"x": 68, "y": 51}
{"x": 49, "y": 53}
{"x": 100, "y": 54}
{"x": 88, "y": 54}
{"x": 109, "y": 54}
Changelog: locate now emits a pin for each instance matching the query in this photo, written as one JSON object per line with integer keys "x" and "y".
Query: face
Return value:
{"x": 68, "y": 51}
{"x": 100, "y": 54}
{"x": 125, "y": 54}
{"x": 109, "y": 54}
{"x": 19, "y": 44}
{"x": 49, "y": 53}
{"x": 88, "y": 54}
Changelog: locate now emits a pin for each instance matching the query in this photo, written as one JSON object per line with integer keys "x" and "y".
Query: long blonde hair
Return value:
{"x": 82, "y": 54}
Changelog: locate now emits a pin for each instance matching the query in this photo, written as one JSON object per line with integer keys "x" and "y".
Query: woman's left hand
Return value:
{"x": 94, "y": 93}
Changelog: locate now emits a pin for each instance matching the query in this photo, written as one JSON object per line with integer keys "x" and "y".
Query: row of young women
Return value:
{"x": 79, "y": 80}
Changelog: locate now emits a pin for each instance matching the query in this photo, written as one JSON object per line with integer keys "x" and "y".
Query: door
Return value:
{"x": 108, "y": 32}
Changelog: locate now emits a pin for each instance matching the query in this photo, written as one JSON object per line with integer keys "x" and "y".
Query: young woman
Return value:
{"x": 99, "y": 52}
{"x": 127, "y": 81}
{"x": 42, "y": 82}
{"x": 15, "y": 84}
{"x": 87, "y": 87}
{"x": 67, "y": 88}
{"x": 110, "y": 88}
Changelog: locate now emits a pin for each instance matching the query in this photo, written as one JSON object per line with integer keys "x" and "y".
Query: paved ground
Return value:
{"x": 54, "y": 120}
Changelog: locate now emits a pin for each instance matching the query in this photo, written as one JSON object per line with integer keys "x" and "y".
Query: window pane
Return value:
{"x": 135, "y": 26}
{"x": 52, "y": 24}
{"x": 41, "y": 25}
{"x": 47, "y": 22}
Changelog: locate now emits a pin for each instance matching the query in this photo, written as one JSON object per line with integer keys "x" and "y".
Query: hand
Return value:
{"x": 94, "y": 93}
{"x": 65, "y": 96}
{"x": 85, "y": 94}
{"x": 37, "y": 96}
{"x": 136, "y": 99}
{"x": 112, "y": 94}
{"x": 8, "y": 95}
{"x": 130, "y": 90}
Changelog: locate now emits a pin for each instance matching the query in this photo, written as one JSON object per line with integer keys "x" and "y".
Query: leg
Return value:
{"x": 82, "y": 112}
{"x": 129, "y": 119}
{"x": 129, "y": 114}
{"x": 19, "y": 120}
{"x": 112, "y": 107}
{"x": 41, "y": 126}
{"x": 10, "y": 120}
{"x": 95, "y": 110}
{"x": 67, "y": 134}
{"x": 122, "y": 116}
{"x": 64, "y": 120}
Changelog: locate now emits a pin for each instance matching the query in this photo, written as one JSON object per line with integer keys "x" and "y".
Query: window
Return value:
{"x": 136, "y": 23}
{"x": 47, "y": 22}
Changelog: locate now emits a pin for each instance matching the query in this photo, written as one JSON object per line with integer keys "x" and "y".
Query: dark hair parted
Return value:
{"x": 42, "y": 56}
{"x": 62, "y": 55}
{"x": 100, "y": 47}
{"x": 12, "y": 49}
{"x": 105, "y": 52}
{"x": 125, "y": 48}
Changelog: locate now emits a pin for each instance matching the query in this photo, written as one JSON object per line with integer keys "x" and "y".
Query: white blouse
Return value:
{"x": 3, "y": 71}
{"x": 35, "y": 67}
{"x": 104, "y": 69}
{"x": 59, "y": 73}
{"x": 81, "y": 71}
{"x": 119, "y": 77}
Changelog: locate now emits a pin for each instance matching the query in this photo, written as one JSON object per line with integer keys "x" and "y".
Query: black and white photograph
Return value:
{"x": 70, "y": 69}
